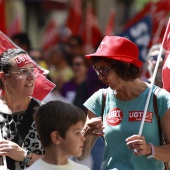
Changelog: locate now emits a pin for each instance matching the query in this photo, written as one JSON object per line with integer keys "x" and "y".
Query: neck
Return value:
{"x": 16, "y": 104}
{"x": 55, "y": 157}
{"x": 80, "y": 79}
{"x": 130, "y": 90}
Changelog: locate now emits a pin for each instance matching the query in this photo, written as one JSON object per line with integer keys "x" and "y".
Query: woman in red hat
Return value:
{"x": 117, "y": 65}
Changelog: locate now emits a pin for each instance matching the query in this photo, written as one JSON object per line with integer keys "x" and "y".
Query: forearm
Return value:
{"x": 162, "y": 153}
{"x": 88, "y": 144}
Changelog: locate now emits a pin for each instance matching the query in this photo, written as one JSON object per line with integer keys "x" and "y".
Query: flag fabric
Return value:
{"x": 166, "y": 39}
{"x": 6, "y": 43}
{"x": 2, "y": 16}
{"x": 140, "y": 34}
{"x": 166, "y": 72}
{"x": 90, "y": 32}
{"x": 15, "y": 25}
{"x": 158, "y": 11}
{"x": 74, "y": 19}
{"x": 110, "y": 26}
{"x": 50, "y": 35}
{"x": 42, "y": 87}
{"x": 166, "y": 66}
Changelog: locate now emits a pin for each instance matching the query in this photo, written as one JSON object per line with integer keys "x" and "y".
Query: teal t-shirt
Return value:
{"x": 121, "y": 120}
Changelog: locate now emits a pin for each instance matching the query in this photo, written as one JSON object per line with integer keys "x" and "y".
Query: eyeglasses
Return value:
{"x": 25, "y": 72}
{"x": 102, "y": 71}
{"x": 155, "y": 57}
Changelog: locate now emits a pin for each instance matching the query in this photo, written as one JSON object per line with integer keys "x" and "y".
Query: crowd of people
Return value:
{"x": 93, "y": 114}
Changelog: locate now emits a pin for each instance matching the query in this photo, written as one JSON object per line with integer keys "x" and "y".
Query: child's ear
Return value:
{"x": 55, "y": 137}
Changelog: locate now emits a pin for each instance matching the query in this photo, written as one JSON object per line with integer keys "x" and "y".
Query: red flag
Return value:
{"x": 75, "y": 17}
{"x": 2, "y": 16}
{"x": 50, "y": 35}
{"x": 91, "y": 33}
{"x": 166, "y": 72}
{"x": 15, "y": 25}
{"x": 110, "y": 25}
{"x": 166, "y": 67}
{"x": 166, "y": 39}
{"x": 6, "y": 43}
{"x": 42, "y": 87}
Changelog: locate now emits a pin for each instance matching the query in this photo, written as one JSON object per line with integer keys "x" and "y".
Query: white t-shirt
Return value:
{"x": 40, "y": 164}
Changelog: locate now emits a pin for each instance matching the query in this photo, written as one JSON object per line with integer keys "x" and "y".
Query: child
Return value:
{"x": 59, "y": 126}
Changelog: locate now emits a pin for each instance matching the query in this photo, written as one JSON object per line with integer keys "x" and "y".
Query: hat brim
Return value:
{"x": 127, "y": 59}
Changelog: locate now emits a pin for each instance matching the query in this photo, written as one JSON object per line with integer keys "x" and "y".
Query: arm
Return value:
{"x": 15, "y": 152}
{"x": 162, "y": 153}
{"x": 93, "y": 128}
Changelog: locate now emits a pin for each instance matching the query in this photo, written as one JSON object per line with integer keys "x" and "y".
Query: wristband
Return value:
{"x": 152, "y": 155}
{"x": 27, "y": 157}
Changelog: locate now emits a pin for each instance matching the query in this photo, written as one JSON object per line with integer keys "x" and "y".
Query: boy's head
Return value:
{"x": 59, "y": 117}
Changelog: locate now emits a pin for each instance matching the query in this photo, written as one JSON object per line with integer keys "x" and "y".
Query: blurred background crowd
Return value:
{"x": 58, "y": 33}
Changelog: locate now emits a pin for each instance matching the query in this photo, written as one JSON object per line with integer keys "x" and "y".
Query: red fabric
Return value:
{"x": 166, "y": 39}
{"x": 166, "y": 72}
{"x": 75, "y": 17}
{"x": 2, "y": 16}
{"x": 50, "y": 35}
{"x": 110, "y": 25}
{"x": 91, "y": 33}
{"x": 5, "y": 43}
{"x": 118, "y": 48}
{"x": 42, "y": 87}
{"x": 15, "y": 25}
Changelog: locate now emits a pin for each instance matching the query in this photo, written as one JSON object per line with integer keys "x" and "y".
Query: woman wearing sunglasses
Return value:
{"x": 117, "y": 65}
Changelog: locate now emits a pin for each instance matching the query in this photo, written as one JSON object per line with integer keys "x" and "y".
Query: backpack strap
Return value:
{"x": 155, "y": 105}
{"x": 104, "y": 94}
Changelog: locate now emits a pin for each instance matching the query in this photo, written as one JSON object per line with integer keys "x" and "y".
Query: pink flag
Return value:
{"x": 166, "y": 39}
{"x": 42, "y": 87}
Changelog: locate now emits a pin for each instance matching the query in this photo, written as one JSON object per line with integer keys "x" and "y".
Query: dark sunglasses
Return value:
{"x": 102, "y": 71}
{"x": 155, "y": 57}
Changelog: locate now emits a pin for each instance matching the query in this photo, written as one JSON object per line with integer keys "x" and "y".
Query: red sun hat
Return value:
{"x": 118, "y": 48}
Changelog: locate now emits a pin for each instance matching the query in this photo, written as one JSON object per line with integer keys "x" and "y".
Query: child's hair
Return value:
{"x": 56, "y": 116}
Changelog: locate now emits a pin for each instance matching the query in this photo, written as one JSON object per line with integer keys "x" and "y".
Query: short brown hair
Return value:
{"x": 56, "y": 116}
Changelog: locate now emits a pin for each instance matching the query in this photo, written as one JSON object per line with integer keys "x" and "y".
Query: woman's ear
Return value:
{"x": 3, "y": 77}
{"x": 55, "y": 137}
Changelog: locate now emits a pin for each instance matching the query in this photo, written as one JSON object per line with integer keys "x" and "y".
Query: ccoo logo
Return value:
{"x": 114, "y": 117}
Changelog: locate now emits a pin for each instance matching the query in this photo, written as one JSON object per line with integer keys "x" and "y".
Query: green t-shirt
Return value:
{"x": 121, "y": 120}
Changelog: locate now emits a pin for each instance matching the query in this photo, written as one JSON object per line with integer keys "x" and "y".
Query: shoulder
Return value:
{"x": 77, "y": 165}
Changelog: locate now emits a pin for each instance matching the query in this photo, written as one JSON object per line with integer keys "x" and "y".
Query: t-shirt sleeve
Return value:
{"x": 94, "y": 103}
{"x": 163, "y": 99}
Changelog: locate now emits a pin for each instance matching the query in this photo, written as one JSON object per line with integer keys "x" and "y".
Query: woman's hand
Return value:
{"x": 11, "y": 149}
{"x": 138, "y": 144}
{"x": 94, "y": 126}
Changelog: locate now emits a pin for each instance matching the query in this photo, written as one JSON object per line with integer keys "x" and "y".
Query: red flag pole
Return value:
{"x": 164, "y": 43}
